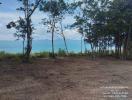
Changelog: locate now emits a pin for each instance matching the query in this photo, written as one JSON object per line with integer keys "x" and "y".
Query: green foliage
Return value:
{"x": 102, "y": 23}
{"x": 54, "y": 7}
{"x": 105, "y": 24}
{"x": 24, "y": 25}
{"x": 56, "y": 10}
{"x": 61, "y": 52}
{"x": 16, "y": 57}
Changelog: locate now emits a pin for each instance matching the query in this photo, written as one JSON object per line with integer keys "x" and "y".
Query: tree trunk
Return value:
{"x": 23, "y": 46}
{"x": 126, "y": 43}
{"x": 53, "y": 25}
{"x": 29, "y": 32}
{"x": 29, "y": 47}
{"x": 93, "y": 52}
{"x": 117, "y": 45}
{"x": 81, "y": 44}
{"x": 85, "y": 47}
{"x": 63, "y": 37}
{"x": 65, "y": 43}
{"x": 29, "y": 39}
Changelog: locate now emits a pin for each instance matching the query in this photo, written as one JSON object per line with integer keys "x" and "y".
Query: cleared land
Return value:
{"x": 66, "y": 79}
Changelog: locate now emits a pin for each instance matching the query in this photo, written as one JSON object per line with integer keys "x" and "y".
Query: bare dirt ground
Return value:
{"x": 66, "y": 79}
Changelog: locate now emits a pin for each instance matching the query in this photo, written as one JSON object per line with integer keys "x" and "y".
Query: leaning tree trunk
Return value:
{"x": 65, "y": 42}
{"x": 63, "y": 37}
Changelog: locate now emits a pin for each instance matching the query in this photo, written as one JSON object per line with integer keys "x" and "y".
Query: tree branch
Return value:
{"x": 34, "y": 9}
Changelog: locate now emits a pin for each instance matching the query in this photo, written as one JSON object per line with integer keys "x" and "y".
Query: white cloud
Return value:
{"x": 1, "y": 25}
{"x": 72, "y": 34}
{"x": 7, "y": 37}
{"x": 4, "y": 16}
{"x": 40, "y": 32}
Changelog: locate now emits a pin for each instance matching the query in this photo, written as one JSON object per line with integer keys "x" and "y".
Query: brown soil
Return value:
{"x": 66, "y": 79}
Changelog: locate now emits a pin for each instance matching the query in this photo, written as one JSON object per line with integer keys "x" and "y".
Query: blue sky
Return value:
{"x": 8, "y": 13}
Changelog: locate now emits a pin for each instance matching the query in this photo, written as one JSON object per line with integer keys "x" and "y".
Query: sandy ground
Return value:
{"x": 66, "y": 79}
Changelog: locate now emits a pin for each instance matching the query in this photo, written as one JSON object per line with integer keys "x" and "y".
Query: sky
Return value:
{"x": 8, "y": 13}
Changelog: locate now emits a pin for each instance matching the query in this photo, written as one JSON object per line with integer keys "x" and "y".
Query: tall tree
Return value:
{"x": 80, "y": 22}
{"x": 20, "y": 26}
{"x": 56, "y": 10}
{"x": 28, "y": 8}
{"x": 63, "y": 8}
{"x": 120, "y": 17}
{"x": 93, "y": 22}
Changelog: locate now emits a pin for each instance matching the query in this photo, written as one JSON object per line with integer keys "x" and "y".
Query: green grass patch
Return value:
{"x": 4, "y": 55}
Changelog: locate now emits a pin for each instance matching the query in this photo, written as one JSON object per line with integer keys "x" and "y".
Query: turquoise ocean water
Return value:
{"x": 41, "y": 45}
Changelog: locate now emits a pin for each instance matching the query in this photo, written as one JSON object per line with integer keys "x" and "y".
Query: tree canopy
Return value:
{"x": 104, "y": 24}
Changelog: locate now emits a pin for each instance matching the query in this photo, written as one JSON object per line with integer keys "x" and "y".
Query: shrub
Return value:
{"x": 4, "y": 55}
{"x": 61, "y": 52}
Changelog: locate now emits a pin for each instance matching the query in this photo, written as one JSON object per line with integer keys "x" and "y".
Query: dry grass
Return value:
{"x": 64, "y": 79}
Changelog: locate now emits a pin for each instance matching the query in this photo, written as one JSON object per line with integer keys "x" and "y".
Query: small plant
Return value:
{"x": 61, "y": 52}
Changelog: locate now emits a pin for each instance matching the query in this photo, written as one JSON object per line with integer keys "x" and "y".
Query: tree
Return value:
{"x": 110, "y": 25}
{"x": 56, "y": 10}
{"x": 20, "y": 26}
{"x": 62, "y": 11}
{"x": 93, "y": 22}
{"x": 80, "y": 22}
{"x": 28, "y": 8}
{"x": 80, "y": 27}
{"x": 120, "y": 17}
